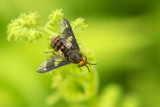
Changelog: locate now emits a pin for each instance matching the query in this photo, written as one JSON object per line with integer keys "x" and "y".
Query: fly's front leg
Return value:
{"x": 79, "y": 67}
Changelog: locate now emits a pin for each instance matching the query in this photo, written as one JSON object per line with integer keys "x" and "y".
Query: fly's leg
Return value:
{"x": 79, "y": 67}
{"x": 51, "y": 52}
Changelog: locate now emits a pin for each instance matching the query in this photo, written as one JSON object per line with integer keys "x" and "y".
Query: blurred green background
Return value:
{"x": 123, "y": 34}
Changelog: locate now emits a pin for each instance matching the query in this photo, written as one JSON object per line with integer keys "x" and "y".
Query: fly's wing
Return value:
{"x": 67, "y": 36}
{"x": 51, "y": 63}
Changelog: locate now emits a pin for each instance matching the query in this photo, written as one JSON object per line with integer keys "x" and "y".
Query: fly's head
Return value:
{"x": 84, "y": 62}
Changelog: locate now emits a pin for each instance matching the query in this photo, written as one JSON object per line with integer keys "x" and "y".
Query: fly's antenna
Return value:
{"x": 90, "y": 63}
{"x": 87, "y": 67}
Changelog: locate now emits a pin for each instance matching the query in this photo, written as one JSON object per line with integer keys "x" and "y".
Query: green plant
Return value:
{"x": 70, "y": 84}
{"x": 25, "y": 28}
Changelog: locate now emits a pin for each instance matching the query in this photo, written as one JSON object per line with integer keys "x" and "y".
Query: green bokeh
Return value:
{"x": 123, "y": 34}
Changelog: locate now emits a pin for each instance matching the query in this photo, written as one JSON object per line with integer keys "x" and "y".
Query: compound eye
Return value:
{"x": 85, "y": 59}
{"x": 81, "y": 63}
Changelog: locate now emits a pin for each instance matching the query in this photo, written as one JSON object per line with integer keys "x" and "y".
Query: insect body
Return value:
{"x": 73, "y": 55}
{"x": 67, "y": 48}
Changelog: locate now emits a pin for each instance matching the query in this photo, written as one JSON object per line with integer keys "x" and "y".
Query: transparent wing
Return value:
{"x": 51, "y": 63}
{"x": 66, "y": 34}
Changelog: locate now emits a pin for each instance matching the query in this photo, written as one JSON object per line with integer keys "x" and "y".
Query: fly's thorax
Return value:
{"x": 74, "y": 56}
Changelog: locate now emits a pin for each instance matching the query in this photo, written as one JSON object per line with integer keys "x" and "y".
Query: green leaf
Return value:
{"x": 52, "y": 25}
{"x": 78, "y": 25}
{"x": 25, "y": 28}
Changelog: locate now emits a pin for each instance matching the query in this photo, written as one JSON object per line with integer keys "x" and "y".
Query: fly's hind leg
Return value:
{"x": 51, "y": 52}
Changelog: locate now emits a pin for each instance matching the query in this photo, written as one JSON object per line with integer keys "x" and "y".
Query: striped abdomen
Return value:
{"x": 57, "y": 44}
